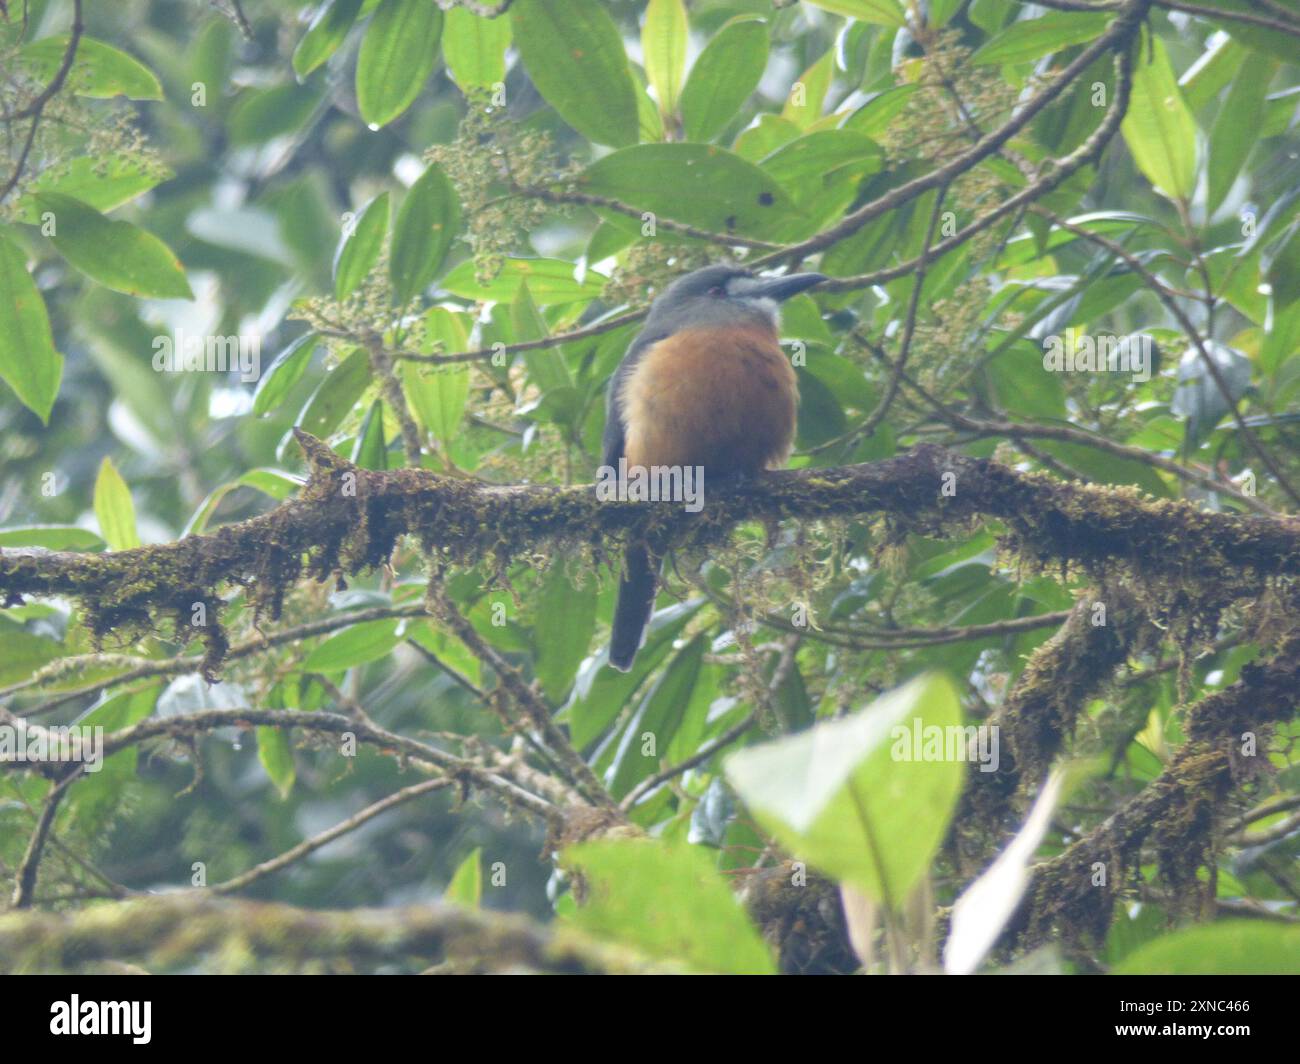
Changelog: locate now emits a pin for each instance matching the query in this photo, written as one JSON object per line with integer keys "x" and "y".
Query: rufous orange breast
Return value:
{"x": 722, "y": 398}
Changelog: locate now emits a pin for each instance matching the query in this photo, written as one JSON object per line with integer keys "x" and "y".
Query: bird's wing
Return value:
{"x": 613, "y": 440}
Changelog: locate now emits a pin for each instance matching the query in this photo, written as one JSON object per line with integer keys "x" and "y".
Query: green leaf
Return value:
{"x": 116, "y": 254}
{"x": 723, "y": 77}
{"x": 28, "y": 362}
{"x": 324, "y": 35}
{"x": 438, "y": 396}
{"x": 359, "y": 251}
{"x": 272, "y": 482}
{"x": 600, "y": 692}
{"x": 1233, "y": 947}
{"x": 803, "y": 105}
{"x": 669, "y": 902}
{"x": 699, "y": 184}
{"x": 276, "y": 755}
{"x": 100, "y": 182}
{"x": 1236, "y": 129}
{"x": 283, "y": 373}
{"x": 664, "y": 38}
{"x": 51, "y": 537}
{"x": 806, "y": 162}
{"x": 427, "y": 222}
{"x": 99, "y": 70}
{"x": 1030, "y": 38}
{"x": 574, "y": 55}
{"x": 114, "y": 509}
{"x": 336, "y": 395}
{"x": 466, "y": 886}
{"x": 566, "y": 621}
{"x": 397, "y": 56}
{"x": 357, "y": 645}
{"x": 475, "y": 49}
{"x": 551, "y": 282}
{"x": 880, "y": 12}
{"x": 370, "y": 451}
{"x": 262, "y": 114}
{"x": 658, "y": 717}
{"x": 1159, "y": 129}
{"x": 853, "y": 798}
{"x": 24, "y": 651}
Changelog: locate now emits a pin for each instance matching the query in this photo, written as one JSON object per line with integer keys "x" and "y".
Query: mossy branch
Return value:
{"x": 348, "y": 520}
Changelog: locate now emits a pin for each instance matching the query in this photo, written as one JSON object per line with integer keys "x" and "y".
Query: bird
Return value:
{"x": 705, "y": 384}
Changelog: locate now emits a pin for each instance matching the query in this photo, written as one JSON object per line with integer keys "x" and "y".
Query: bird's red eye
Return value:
{"x": 717, "y": 291}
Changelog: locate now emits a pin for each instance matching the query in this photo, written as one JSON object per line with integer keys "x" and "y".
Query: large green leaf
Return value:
{"x": 276, "y": 755}
{"x": 337, "y": 393}
{"x": 283, "y": 373}
{"x": 1033, "y": 37}
{"x": 99, "y": 70}
{"x": 657, "y": 718}
{"x": 116, "y": 254}
{"x": 324, "y": 35}
{"x": 551, "y": 281}
{"x": 103, "y": 183}
{"x": 574, "y": 55}
{"x": 29, "y": 364}
{"x": 353, "y": 646}
{"x": 698, "y": 184}
{"x": 475, "y": 49}
{"x": 359, "y": 250}
{"x": 723, "y": 77}
{"x": 427, "y": 221}
{"x": 880, "y": 12}
{"x": 397, "y": 56}
{"x": 664, "y": 38}
{"x": 1159, "y": 128}
{"x": 566, "y": 619}
{"x": 1233, "y": 947}
{"x": 866, "y": 798}
{"x": 669, "y": 902}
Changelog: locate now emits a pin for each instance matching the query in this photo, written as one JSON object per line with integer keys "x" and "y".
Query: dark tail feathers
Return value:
{"x": 636, "y": 600}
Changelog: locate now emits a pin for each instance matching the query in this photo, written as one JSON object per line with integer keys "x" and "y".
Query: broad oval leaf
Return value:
{"x": 359, "y": 249}
{"x": 699, "y": 184}
{"x": 664, "y": 38}
{"x": 29, "y": 364}
{"x": 856, "y": 797}
{"x": 99, "y": 70}
{"x": 283, "y": 373}
{"x": 550, "y": 281}
{"x": 475, "y": 49}
{"x": 1032, "y": 37}
{"x": 364, "y": 642}
{"x": 114, "y": 509}
{"x": 670, "y": 902}
{"x": 427, "y": 221}
{"x": 1158, "y": 128}
{"x": 116, "y": 254}
{"x": 1233, "y": 947}
{"x": 397, "y": 56}
{"x": 324, "y": 35}
{"x": 723, "y": 77}
{"x": 574, "y": 55}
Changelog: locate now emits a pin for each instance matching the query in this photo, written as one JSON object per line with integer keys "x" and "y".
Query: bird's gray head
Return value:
{"x": 724, "y": 295}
